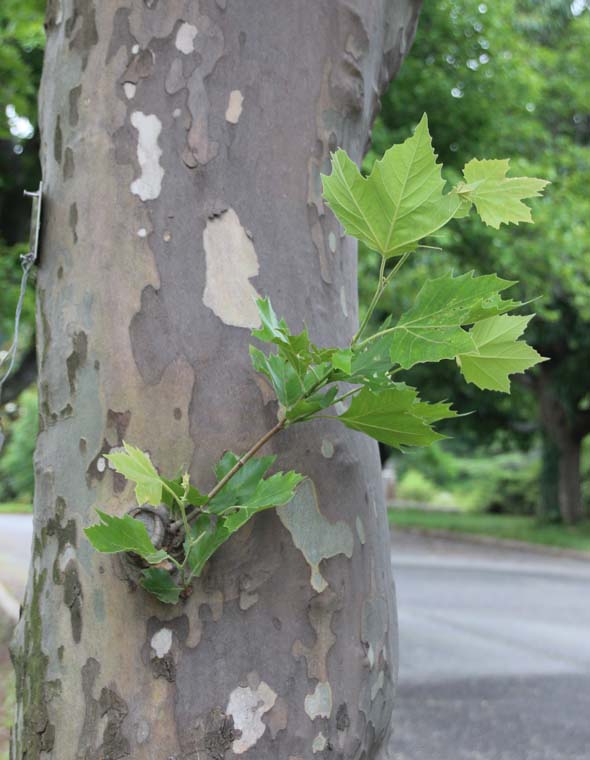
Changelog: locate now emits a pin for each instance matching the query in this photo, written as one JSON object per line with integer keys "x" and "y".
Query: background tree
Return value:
{"x": 510, "y": 78}
{"x": 182, "y": 149}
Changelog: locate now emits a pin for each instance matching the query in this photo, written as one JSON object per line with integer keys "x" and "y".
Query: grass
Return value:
{"x": 14, "y": 507}
{"x": 511, "y": 527}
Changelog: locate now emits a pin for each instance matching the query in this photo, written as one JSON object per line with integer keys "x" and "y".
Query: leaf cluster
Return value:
{"x": 461, "y": 318}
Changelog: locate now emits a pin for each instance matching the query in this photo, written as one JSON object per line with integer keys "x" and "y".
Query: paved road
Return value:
{"x": 494, "y": 648}
{"x": 494, "y": 651}
{"x": 15, "y": 550}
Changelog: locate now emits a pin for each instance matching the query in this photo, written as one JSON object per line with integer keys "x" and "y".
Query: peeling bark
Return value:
{"x": 182, "y": 144}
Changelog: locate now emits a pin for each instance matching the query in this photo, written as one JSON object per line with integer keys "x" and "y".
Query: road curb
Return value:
{"x": 9, "y": 606}
{"x": 503, "y": 543}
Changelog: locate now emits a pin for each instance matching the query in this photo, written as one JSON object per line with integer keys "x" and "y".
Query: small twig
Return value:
{"x": 238, "y": 466}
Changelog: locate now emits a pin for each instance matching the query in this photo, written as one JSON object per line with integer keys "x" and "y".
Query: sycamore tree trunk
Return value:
{"x": 182, "y": 147}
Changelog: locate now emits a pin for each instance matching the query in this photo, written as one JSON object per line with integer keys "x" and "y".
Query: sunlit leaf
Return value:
{"x": 498, "y": 353}
{"x": 399, "y": 203}
{"x": 498, "y": 198}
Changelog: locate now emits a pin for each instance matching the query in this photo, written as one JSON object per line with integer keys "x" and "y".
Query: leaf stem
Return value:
{"x": 382, "y": 285}
{"x": 236, "y": 468}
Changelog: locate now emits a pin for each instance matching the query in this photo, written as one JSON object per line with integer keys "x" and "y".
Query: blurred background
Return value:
{"x": 508, "y": 78}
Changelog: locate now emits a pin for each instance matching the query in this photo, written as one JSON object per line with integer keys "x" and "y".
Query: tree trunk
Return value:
{"x": 561, "y": 429}
{"x": 182, "y": 145}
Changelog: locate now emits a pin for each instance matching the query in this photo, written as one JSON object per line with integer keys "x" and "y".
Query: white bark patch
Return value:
{"x": 142, "y": 232}
{"x": 332, "y": 242}
{"x": 234, "y": 107}
{"x": 319, "y": 743}
{"x": 162, "y": 642}
{"x": 231, "y": 261}
{"x": 319, "y": 704}
{"x": 247, "y": 706}
{"x": 135, "y": 49}
{"x": 101, "y": 464}
{"x": 315, "y": 537}
{"x": 360, "y": 529}
{"x": 185, "y": 38}
{"x": 327, "y": 448}
{"x": 149, "y": 184}
{"x": 343, "y": 304}
{"x": 129, "y": 89}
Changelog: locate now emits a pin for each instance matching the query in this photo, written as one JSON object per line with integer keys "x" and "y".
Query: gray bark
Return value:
{"x": 182, "y": 144}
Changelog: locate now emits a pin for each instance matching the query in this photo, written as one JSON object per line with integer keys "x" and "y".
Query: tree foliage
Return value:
{"x": 455, "y": 318}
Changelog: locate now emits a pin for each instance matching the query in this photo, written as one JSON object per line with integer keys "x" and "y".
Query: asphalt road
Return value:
{"x": 494, "y": 648}
{"x": 494, "y": 653}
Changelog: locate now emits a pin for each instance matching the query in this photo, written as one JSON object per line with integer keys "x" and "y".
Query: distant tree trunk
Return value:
{"x": 182, "y": 147}
{"x": 562, "y": 427}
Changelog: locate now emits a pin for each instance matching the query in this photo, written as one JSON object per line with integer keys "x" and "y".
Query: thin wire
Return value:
{"x": 27, "y": 260}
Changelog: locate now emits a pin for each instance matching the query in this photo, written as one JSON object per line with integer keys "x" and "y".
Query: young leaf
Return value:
{"x": 160, "y": 583}
{"x": 399, "y": 203}
{"x": 286, "y": 383}
{"x": 372, "y": 362}
{"x": 208, "y": 534}
{"x": 431, "y": 330}
{"x": 243, "y": 484}
{"x": 342, "y": 360}
{"x": 498, "y": 198}
{"x": 395, "y": 417}
{"x": 205, "y": 538}
{"x": 194, "y": 497}
{"x": 123, "y": 534}
{"x": 498, "y": 353}
{"x": 312, "y": 404}
{"x": 273, "y": 330}
{"x": 136, "y": 466}
{"x": 247, "y": 488}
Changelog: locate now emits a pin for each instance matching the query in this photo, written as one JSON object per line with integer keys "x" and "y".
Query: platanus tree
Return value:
{"x": 182, "y": 145}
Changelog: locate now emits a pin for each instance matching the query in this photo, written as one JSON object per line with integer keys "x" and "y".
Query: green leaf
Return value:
{"x": 498, "y": 198}
{"x": 498, "y": 353}
{"x": 342, "y": 360}
{"x": 274, "y": 491}
{"x": 312, "y": 404}
{"x": 395, "y": 416}
{"x": 241, "y": 487}
{"x": 399, "y": 203}
{"x": 123, "y": 534}
{"x": 194, "y": 497}
{"x": 286, "y": 383}
{"x": 247, "y": 488}
{"x": 136, "y": 466}
{"x": 273, "y": 330}
{"x": 372, "y": 362}
{"x": 431, "y": 330}
{"x": 160, "y": 583}
{"x": 209, "y": 533}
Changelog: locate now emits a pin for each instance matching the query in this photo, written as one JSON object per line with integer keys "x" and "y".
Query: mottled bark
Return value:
{"x": 182, "y": 148}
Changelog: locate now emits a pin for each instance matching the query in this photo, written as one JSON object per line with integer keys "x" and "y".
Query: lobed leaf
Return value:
{"x": 498, "y": 198}
{"x": 123, "y": 534}
{"x": 432, "y": 329}
{"x": 160, "y": 583}
{"x": 399, "y": 203}
{"x": 208, "y": 533}
{"x": 395, "y": 416}
{"x": 498, "y": 353}
{"x": 135, "y": 465}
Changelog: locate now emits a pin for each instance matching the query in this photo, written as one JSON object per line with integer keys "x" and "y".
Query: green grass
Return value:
{"x": 499, "y": 526}
{"x": 13, "y": 507}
